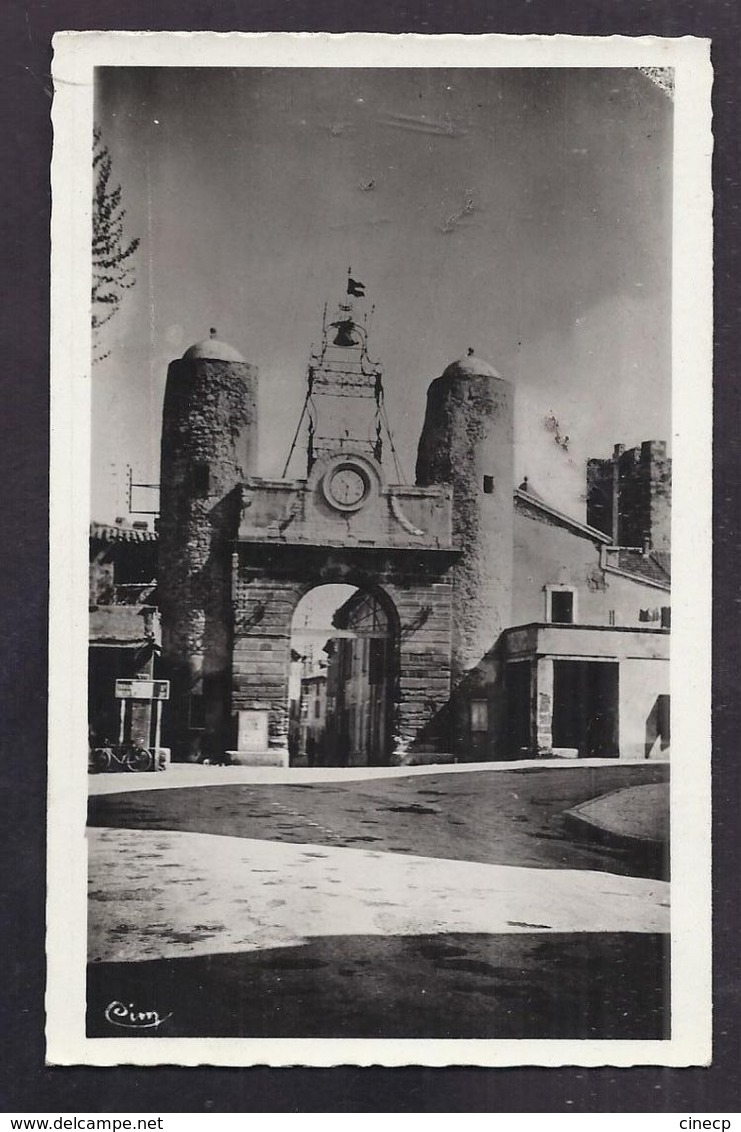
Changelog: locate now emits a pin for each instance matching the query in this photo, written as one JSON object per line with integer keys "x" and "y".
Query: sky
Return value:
{"x": 524, "y": 213}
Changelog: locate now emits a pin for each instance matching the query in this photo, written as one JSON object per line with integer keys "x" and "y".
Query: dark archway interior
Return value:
{"x": 585, "y": 707}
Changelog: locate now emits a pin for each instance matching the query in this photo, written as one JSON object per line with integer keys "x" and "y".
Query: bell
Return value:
{"x": 344, "y": 335}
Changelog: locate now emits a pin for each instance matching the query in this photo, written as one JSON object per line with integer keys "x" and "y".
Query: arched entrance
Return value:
{"x": 343, "y": 678}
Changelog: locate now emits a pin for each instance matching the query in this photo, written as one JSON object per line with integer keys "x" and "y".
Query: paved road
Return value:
{"x": 430, "y": 906}
{"x": 508, "y": 817}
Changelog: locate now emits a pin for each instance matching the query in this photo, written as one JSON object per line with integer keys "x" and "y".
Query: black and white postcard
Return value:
{"x": 381, "y": 396}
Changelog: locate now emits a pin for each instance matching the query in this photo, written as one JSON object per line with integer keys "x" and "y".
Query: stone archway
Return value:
{"x": 269, "y": 579}
{"x": 344, "y": 677}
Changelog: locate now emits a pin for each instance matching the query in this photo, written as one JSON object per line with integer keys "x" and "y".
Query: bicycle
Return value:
{"x": 125, "y": 756}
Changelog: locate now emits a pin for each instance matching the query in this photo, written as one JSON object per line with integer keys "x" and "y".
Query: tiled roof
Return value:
{"x": 654, "y": 566}
{"x": 664, "y": 559}
{"x": 106, "y": 533}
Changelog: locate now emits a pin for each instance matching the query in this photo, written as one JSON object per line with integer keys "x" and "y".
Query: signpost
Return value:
{"x": 143, "y": 689}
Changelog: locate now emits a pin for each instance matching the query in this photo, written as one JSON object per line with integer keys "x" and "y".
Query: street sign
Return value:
{"x": 142, "y": 689}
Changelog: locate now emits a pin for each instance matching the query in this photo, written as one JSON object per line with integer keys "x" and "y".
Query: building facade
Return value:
{"x": 124, "y": 630}
{"x": 485, "y": 624}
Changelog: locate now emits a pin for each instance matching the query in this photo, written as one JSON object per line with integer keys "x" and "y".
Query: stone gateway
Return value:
{"x": 485, "y": 623}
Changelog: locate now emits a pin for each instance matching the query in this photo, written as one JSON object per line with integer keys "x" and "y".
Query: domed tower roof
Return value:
{"x": 470, "y": 365}
{"x": 212, "y": 349}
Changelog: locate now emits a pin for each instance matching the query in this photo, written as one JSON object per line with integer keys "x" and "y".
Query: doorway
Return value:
{"x": 585, "y": 707}
{"x": 519, "y": 695}
{"x": 343, "y": 677}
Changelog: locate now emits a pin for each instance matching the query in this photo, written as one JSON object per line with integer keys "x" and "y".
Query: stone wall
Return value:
{"x": 467, "y": 442}
{"x": 423, "y": 606}
{"x": 644, "y": 478}
{"x": 658, "y": 475}
{"x": 394, "y": 515}
{"x": 263, "y": 610}
{"x": 209, "y": 440}
{"x": 269, "y": 582}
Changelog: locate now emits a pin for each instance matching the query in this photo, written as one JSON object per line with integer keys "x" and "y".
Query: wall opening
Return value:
{"x": 560, "y": 604}
{"x": 519, "y": 678}
{"x": 562, "y": 607}
{"x": 342, "y": 680}
{"x": 585, "y": 707}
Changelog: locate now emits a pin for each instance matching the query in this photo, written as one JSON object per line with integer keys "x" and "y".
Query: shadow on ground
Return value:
{"x": 529, "y": 985}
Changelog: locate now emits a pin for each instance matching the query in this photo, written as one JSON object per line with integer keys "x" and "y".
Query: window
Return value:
{"x": 666, "y": 617}
{"x": 479, "y": 715}
{"x": 488, "y": 485}
{"x": 562, "y": 607}
{"x": 560, "y": 604}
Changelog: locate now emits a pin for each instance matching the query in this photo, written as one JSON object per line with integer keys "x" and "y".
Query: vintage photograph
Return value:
{"x": 379, "y": 645}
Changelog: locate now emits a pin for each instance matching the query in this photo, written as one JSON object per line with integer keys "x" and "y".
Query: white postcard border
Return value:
{"x": 76, "y": 56}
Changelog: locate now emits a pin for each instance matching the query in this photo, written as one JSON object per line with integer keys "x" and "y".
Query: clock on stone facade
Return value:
{"x": 346, "y": 486}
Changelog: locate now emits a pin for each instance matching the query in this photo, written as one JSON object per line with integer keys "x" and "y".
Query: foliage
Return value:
{"x": 113, "y": 271}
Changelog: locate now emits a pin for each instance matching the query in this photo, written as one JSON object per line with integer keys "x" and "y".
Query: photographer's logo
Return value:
{"x": 124, "y": 1015}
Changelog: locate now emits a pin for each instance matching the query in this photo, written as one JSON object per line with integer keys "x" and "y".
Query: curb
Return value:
{"x": 577, "y": 821}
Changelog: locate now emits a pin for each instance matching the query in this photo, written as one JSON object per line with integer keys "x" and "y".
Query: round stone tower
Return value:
{"x": 467, "y": 441}
{"x": 209, "y": 445}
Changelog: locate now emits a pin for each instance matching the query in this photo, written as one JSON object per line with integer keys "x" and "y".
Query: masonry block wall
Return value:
{"x": 268, "y": 587}
{"x": 263, "y": 611}
{"x": 424, "y": 609}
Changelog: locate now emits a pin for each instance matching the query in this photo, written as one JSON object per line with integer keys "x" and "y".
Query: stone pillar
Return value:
{"x": 543, "y": 706}
{"x": 140, "y": 712}
{"x": 421, "y": 718}
{"x": 263, "y": 615}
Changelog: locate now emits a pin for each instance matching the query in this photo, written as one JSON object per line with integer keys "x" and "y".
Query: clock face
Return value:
{"x": 346, "y": 488}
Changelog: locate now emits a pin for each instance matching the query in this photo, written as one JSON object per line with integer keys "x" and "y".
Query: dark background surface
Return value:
{"x": 28, "y": 1085}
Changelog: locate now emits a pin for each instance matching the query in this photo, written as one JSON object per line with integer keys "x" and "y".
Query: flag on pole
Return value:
{"x": 356, "y": 288}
